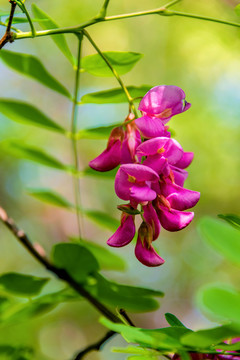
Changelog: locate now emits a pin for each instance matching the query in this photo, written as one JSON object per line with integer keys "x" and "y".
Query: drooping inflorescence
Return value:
{"x": 151, "y": 173}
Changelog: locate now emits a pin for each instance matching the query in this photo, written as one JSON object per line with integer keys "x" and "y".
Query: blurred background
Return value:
{"x": 203, "y": 58}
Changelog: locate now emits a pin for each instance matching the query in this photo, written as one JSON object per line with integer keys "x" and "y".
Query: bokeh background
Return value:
{"x": 201, "y": 57}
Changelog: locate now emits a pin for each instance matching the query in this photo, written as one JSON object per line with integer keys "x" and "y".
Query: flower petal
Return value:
{"x": 147, "y": 255}
{"x": 185, "y": 160}
{"x": 178, "y": 197}
{"x": 108, "y": 159}
{"x": 180, "y": 175}
{"x": 150, "y": 216}
{"x": 124, "y": 234}
{"x": 174, "y": 220}
{"x": 140, "y": 172}
{"x": 164, "y": 101}
{"x": 150, "y": 127}
{"x": 142, "y": 193}
{"x": 152, "y": 146}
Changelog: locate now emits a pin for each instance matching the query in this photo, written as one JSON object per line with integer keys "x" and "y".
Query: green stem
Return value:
{"x": 171, "y": 3}
{"x": 115, "y": 73}
{"x": 160, "y": 11}
{"x": 23, "y": 8}
{"x": 103, "y": 10}
{"x": 74, "y": 132}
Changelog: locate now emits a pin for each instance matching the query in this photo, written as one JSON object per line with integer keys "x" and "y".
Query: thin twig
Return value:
{"x": 61, "y": 273}
{"x": 96, "y": 346}
{"x": 7, "y": 37}
{"x": 76, "y": 180}
{"x": 126, "y": 317}
{"x": 115, "y": 73}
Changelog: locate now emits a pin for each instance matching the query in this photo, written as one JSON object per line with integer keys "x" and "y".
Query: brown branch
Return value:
{"x": 60, "y": 273}
{"x": 8, "y": 36}
{"x": 96, "y": 346}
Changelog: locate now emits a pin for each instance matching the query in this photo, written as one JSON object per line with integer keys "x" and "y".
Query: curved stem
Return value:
{"x": 23, "y": 8}
{"x": 96, "y": 346}
{"x": 60, "y": 273}
{"x": 115, "y": 73}
{"x": 76, "y": 180}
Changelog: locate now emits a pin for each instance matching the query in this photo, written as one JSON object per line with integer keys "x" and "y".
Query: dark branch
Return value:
{"x": 126, "y": 317}
{"x": 61, "y": 273}
{"x": 96, "y": 346}
{"x": 8, "y": 36}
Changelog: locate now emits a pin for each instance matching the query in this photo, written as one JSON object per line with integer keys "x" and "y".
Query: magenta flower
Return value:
{"x": 144, "y": 251}
{"x": 111, "y": 157}
{"x": 132, "y": 139}
{"x": 158, "y": 106}
{"x": 125, "y": 233}
{"x": 163, "y": 102}
{"x": 151, "y": 218}
{"x": 133, "y": 182}
{"x": 160, "y": 152}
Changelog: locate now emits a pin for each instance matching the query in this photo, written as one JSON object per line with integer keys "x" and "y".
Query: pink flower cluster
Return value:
{"x": 151, "y": 173}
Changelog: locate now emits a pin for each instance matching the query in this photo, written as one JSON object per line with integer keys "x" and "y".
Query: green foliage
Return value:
{"x": 123, "y": 296}
{"x": 165, "y": 339}
{"x": 232, "y": 219}
{"x": 107, "y": 259}
{"x": 75, "y": 259}
{"x": 16, "y": 352}
{"x": 101, "y": 132}
{"x": 203, "y": 339}
{"x": 110, "y": 175}
{"x": 22, "y": 285}
{"x": 114, "y": 96}
{"x": 29, "y": 65}
{"x": 237, "y": 9}
{"x": 122, "y": 62}
{"x": 102, "y": 219}
{"x": 32, "y": 153}
{"x": 59, "y": 40}
{"x": 51, "y": 197}
{"x": 221, "y": 301}
{"x": 221, "y": 237}
{"x": 173, "y": 320}
{"x": 27, "y": 114}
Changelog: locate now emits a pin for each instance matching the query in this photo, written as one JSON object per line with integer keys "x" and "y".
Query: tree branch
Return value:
{"x": 60, "y": 273}
{"x": 96, "y": 346}
{"x": 7, "y": 37}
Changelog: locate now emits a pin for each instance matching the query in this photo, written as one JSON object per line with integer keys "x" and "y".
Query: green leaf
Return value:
{"x": 107, "y": 259}
{"x": 232, "y": 219}
{"x": 122, "y": 62}
{"x": 27, "y": 114}
{"x": 22, "y": 20}
{"x": 123, "y": 296}
{"x": 222, "y": 238}
{"x": 22, "y": 285}
{"x": 159, "y": 339}
{"x": 114, "y": 95}
{"x": 173, "y": 320}
{"x": 33, "y": 154}
{"x": 110, "y": 175}
{"x": 205, "y": 338}
{"x": 75, "y": 259}
{"x": 237, "y": 9}
{"x": 221, "y": 301}
{"x": 41, "y": 305}
{"x": 101, "y": 132}
{"x": 59, "y": 40}
{"x": 30, "y": 66}
{"x": 50, "y": 197}
{"x": 102, "y": 219}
